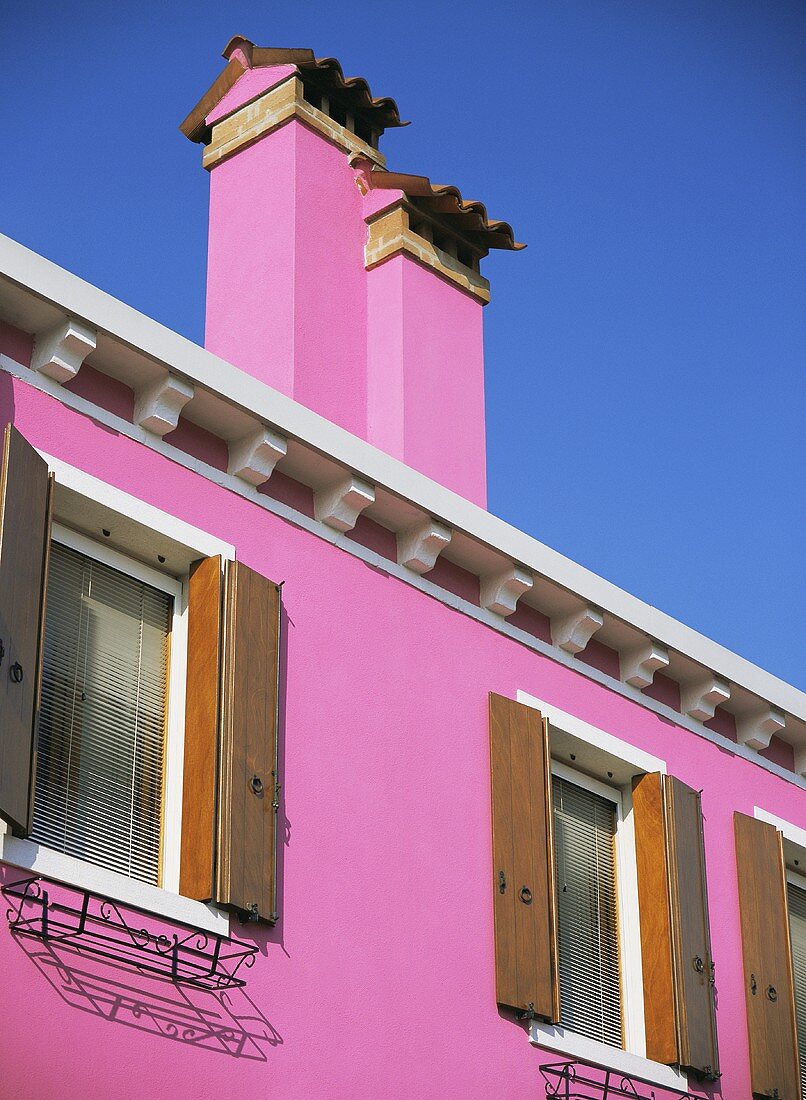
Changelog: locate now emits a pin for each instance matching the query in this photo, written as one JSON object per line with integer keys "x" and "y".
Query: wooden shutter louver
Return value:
{"x": 766, "y": 951}
{"x": 675, "y": 938}
{"x": 523, "y": 861}
{"x": 229, "y": 797}
{"x": 26, "y": 495}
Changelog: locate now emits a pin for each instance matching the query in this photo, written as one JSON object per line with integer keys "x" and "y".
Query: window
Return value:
{"x": 101, "y": 742}
{"x": 156, "y": 725}
{"x": 587, "y": 910}
{"x": 598, "y": 864}
{"x": 796, "y": 893}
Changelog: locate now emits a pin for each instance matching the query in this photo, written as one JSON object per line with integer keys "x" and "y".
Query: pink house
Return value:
{"x": 316, "y": 778}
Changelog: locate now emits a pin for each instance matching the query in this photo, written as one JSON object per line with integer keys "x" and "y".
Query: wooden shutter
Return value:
{"x": 197, "y": 860}
{"x": 523, "y": 861}
{"x": 675, "y": 938}
{"x": 768, "y": 980}
{"x": 26, "y": 493}
{"x": 229, "y": 800}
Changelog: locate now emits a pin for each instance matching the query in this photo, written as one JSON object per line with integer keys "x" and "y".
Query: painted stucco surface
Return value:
{"x": 426, "y": 375}
{"x": 378, "y": 980}
{"x": 393, "y": 354}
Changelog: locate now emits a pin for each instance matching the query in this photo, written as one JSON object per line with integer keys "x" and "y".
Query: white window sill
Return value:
{"x": 40, "y": 860}
{"x": 567, "y": 1043}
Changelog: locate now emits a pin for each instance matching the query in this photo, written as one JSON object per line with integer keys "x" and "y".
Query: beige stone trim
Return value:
{"x": 271, "y": 109}
{"x": 391, "y": 233}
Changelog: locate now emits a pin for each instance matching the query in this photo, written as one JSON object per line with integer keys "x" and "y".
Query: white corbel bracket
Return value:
{"x": 254, "y": 457}
{"x": 340, "y": 504}
{"x": 700, "y": 699}
{"x": 60, "y": 351}
{"x": 158, "y": 406}
{"x": 757, "y": 730}
{"x": 500, "y": 592}
{"x": 638, "y": 666}
{"x": 573, "y": 632}
{"x": 800, "y": 760}
{"x": 419, "y": 547}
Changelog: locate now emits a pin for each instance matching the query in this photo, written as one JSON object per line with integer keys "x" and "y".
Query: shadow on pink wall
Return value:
{"x": 224, "y": 1022}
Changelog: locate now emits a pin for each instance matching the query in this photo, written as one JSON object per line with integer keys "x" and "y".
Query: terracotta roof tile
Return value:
{"x": 325, "y": 72}
{"x": 446, "y": 201}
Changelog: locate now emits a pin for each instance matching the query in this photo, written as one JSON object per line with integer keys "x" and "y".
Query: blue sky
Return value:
{"x": 645, "y": 354}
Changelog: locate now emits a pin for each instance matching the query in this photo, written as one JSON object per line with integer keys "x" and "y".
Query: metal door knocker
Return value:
{"x": 16, "y": 673}
{"x": 526, "y": 895}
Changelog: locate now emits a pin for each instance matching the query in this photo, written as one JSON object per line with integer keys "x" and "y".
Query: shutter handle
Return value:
{"x": 698, "y": 964}
{"x": 256, "y": 783}
{"x": 16, "y": 673}
{"x": 772, "y": 993}
{"x": 526, "y": 895}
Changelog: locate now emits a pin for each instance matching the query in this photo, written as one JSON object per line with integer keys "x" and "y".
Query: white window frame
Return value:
{"x": 630, "y": 1060}
{"x": 163, "y": 900}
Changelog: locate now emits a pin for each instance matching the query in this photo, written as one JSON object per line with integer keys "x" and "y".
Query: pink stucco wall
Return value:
{"x": 378, "y": 980}
{"x": 286, "y": 297}
{"x": 394, "y": 355}
{"x": 426, "y": 375}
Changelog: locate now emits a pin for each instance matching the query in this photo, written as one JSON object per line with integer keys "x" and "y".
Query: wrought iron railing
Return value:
{"x": 91, "y": 924}
{"x": 577, "y": 1081}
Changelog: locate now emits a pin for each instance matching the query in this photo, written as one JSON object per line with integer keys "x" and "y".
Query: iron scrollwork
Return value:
{"x": 94, "y": 925}
{"x": 577, "y": 1081}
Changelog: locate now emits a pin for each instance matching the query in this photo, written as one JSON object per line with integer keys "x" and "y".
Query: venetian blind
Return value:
{"x": 797, "y": 925}
{"x": 101, "y": 737}
{"x": 590, "y": 987}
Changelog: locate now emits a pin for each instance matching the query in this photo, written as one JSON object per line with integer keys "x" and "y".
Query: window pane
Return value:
{"x": 797, "y": 924}
{"x": 590, "y": 986}
{"x": 101, "y": 739}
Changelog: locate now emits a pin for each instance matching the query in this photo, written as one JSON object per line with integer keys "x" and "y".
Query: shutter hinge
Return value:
{"x": 277, "y": 789}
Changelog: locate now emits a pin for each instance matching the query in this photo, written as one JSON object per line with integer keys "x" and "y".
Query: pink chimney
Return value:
{"x": 352, "y": 289}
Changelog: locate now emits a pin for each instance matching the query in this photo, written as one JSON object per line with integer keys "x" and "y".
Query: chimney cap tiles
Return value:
{"x": 467, "y": 217}
{"x": 323, "y": 73}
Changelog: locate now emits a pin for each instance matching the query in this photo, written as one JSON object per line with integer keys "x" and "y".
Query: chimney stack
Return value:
{"x": 352, "y": 289}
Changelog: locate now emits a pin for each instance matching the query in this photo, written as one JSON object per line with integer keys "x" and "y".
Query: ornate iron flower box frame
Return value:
{"x": 574, "y": 1081}
{"x": 94, "y": 925}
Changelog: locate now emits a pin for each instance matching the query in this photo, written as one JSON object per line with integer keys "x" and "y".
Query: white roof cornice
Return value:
{"x": 37, "y": 296}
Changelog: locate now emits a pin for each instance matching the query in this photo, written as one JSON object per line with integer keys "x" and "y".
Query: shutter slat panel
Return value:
{"x": 248, "y": 746}
{"x": 525, "y": 935}
{"x": 205, "y": 595}
{"x": 657, "y": 959}
{"x": 698, "y": 1046}
{"x": 589, "y": 952}
{"x": 679, "y": 1013}
{"x": 25, "y": 510}
{"x": 101, "y": 735}
{"x": 767, "y": 959}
